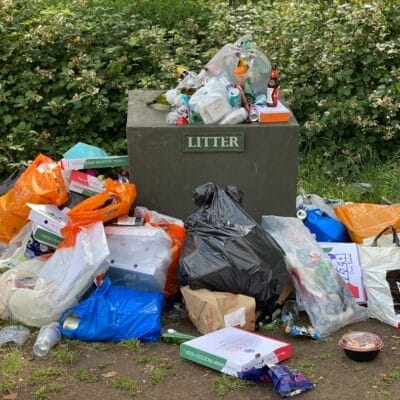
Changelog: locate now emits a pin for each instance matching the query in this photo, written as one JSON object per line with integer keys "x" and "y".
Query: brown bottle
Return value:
{"x": 273, "y": 88}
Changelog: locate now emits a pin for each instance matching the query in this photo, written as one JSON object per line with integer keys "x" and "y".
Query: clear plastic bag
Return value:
{"x": 319, "y": 288}
{"x": 14, "y": 333}
{"x": 37, "y": 291}
{"x": 227, "y": 59}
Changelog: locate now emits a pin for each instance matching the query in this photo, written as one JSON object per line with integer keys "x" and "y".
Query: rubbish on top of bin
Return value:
{"x": 238, "y": 78}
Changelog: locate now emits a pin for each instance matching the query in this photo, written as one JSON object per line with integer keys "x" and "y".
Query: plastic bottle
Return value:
{"x": 172, "y": 336}
{"x": 49, "y": 335}
{"x": 290, "y": 313}
{"x": 235, "y": 117}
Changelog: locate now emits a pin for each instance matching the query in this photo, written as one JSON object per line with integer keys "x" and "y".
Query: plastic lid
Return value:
{"x": 361, "y": 341}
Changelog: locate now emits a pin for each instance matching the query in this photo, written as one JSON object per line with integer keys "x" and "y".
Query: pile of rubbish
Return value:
{"x": 79, "y": 259}
{"x": 239, "y": 84}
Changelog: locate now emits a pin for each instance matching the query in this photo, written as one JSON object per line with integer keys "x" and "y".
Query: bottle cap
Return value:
{"x": 301, "y": 214}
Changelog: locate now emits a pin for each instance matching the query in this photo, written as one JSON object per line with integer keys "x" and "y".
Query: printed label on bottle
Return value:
{"x": 270, "y": 91}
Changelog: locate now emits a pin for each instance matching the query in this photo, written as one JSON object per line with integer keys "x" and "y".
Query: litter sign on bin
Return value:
{"x": 226, "y": 142}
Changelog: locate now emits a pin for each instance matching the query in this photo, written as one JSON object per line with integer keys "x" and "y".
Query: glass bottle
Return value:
{"x": 273, "y": 87}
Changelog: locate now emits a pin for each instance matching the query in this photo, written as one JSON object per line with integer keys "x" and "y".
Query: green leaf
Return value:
{"x": 7, "y": 119}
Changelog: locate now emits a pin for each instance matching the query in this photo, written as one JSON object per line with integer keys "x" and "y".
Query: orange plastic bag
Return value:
{"x": 177, "y": 234}
{"x": 40, "y": 183}
{"x": 364, "y": 220}
{"x": 115, "y": 201}
{"x": 176, "y": 231}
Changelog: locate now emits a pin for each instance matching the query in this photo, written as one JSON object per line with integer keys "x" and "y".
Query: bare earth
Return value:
{"x": 91, "y": 371}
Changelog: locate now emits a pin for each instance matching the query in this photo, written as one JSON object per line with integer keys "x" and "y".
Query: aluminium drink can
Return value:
{"x": 234, "y": 97}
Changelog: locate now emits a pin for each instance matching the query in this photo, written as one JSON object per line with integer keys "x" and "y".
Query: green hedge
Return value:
{"x": 66, "y": 67}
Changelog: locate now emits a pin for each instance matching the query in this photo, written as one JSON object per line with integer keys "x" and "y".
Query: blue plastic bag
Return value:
{"x": 114, "y": 313}
{"x": 325, "y": 228}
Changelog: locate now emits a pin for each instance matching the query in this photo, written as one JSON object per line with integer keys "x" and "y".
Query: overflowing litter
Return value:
{"x": 83, "y": 261}
{"x": 239, "y": 84}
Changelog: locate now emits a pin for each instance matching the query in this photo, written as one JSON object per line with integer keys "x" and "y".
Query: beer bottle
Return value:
{"x": 273, "y": 88}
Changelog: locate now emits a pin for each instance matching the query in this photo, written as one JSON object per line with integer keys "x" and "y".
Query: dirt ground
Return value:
{"x": 92, "y": 370}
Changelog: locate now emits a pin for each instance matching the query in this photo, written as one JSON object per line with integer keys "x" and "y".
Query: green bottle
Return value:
{"x": 172, "y": 336}
{"x": 160, "y": 102}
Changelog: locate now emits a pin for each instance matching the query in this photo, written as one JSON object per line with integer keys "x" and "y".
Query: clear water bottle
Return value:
{"x": 290, "y": 313}
{"x": 48, "y": 336}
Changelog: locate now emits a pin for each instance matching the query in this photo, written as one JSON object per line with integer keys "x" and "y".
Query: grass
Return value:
{"x": 125, "y": 384}
{"x": 64, "y": 355}
{"x": 394, "y": 373}
{"x": 95, "y": 346}
{"x": 86, "y": 376}
{"x": 305, "y": 367}
{"x": 133, "y": 345}
{"x": 43, "y": 375}
{"x": 9, "y": 369}
{"x": 225, "y": 383}
{"x": 383, "y": 178}
{"x": 143, "y": 359}
{"x": 159, "y": 372}
{"x": 325, "y": 356}
{"x": 44, "y": 392}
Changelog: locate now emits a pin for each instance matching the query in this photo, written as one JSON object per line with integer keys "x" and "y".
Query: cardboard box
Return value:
{"x": 345, "y": 258}
{"x": 211, "y": 310}
{"x": 233, "y": 350}
{"x": 100, "y": 162}
{"x": 48, "y": 216}
{"x": 139, "y": 256}
{"x": 273, "y": 114}
{"x": 85, "y": 184}
{"x": 45, "y": 236}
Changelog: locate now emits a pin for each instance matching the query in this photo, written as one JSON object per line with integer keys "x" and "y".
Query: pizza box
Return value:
{"x": 94, "y": 163}
{"x": 232, "y": 350}
{"x": 84, "y": 183}
{"x": 45, "y": 236}
{"x": 48, "y": 216}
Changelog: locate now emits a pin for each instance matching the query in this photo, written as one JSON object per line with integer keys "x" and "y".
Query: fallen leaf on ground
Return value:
{"x": 109, "y": 374}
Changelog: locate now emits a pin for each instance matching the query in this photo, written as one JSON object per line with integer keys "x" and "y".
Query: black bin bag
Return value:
{"x": 226, "y": 250}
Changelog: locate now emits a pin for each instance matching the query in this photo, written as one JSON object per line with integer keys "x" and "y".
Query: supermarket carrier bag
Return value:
{"x": 380, "y": 264}
{"x": 226, "y": 250}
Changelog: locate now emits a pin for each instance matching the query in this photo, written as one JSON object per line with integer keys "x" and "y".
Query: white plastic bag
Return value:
{"x": 322, "y": 291}
{"x": 211, "y": 102}
{"x": 14, "y": 253}
{"x": 380, "y": 263}
{"x": 37, "y": 292}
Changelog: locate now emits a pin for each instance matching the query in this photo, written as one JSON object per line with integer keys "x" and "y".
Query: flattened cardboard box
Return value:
{"x": 273, "y": 114}
{"x": 84, "y": 183}
{"x": 48, "y": 216}
{"x": 233, "y": 350}
{"x": 45, "y": 236}
{"x": 346, "y": 260}
{"x": 211, "y": 310}
{"x": 99, "y": 162}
